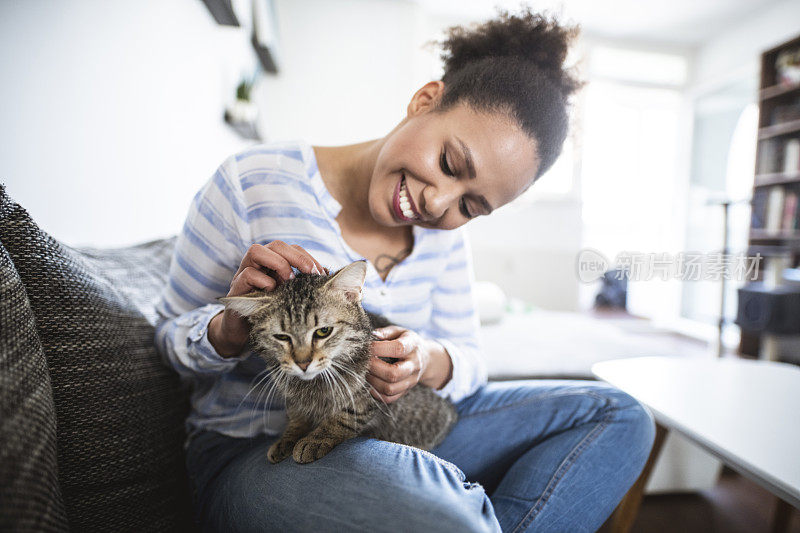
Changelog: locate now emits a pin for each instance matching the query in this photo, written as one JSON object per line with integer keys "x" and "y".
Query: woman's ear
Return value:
{"x": 246, "y": 304}
{"x": 426, "y": 98}
{"x": 349, "y": 281}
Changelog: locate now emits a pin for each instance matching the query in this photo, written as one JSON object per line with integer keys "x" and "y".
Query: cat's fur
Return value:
{"x": 335, "y": 404}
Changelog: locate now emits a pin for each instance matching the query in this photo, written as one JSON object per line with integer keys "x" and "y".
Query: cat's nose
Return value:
{"x": 303, "y": 366}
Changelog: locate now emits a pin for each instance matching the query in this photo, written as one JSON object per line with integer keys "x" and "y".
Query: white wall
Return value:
{"x": 530, "y": 251}
{"x": 348, "y": 69}
{"x": 111, "y": 115}
{"x": 111, "y": 112}
{"x": 736, "y": 52}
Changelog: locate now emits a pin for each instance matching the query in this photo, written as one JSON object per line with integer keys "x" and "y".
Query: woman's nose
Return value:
{"x": 436, "y": 200}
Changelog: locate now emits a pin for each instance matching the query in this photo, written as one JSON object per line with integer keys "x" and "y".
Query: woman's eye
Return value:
{"x": 443, "y": 163}
{"x": 464, "y": 210}
{"x": 321, "y": 333}
{"x": 282, "y": 337}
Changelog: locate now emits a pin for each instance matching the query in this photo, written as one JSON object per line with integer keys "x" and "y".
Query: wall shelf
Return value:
{"x": 222, "y": 11}
{"x": 769, "y": 235}
{"x": 775, "y": 230}
{"x": 779, "y": 178}
{"x": 784, "y": 128}
{"x": 777, "y": 91}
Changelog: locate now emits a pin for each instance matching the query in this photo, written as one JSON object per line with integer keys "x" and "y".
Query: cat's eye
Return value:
{"x": 321, "y": 333}
{"x": 282, "y": 337}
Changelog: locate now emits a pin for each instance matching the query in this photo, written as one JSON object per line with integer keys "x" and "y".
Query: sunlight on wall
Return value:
{"x": 726, "y": 124}
{"x": 558, "y": 181}
{"x": 631, "y": 187}
{"x": 630, "y": 149}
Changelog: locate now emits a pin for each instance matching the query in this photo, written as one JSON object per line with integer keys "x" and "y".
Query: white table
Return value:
{"x": 745, "y": 412}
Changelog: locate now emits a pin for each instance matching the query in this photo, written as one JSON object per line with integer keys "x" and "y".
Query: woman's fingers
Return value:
{"x": 392, "y": 372}
{"x": 249, "y": 280}
{"x": 387, "y": 333}
{"x": 391, "y": 380}
{"x": 280, "y": 257}
{"x": 260, "y": 257}
{"x": 303, "y": 261}
{"x": 321, "y": 268}
{"x": 399, "y": 348}
{"x": 391, "y": 392}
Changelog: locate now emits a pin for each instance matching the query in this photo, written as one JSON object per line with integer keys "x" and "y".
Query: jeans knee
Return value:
{"x": 639, "y": 424}
{"x": 470, "y": 511}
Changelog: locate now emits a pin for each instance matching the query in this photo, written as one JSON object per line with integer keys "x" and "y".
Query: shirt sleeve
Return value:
{"x": 455, "y": 323}
{"x": 208, "y": 251}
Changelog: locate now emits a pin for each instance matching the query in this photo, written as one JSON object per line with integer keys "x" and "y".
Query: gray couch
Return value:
{"x": 91, "y": 420}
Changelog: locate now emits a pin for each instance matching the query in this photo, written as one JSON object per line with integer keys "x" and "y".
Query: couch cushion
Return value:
{"x": 119, "y": 409}
{"x": 30, "y": 498}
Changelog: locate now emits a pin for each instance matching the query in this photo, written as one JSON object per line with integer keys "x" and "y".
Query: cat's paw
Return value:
{"x": 307, "y": 450}
{"x": 279, "y": 451}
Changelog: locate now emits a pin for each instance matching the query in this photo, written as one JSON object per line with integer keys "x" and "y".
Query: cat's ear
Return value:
{"x": 349, "y": 280}
{"x": 247, "y": 304}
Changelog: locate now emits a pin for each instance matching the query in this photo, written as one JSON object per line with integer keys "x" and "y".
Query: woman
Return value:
{"x": 524, "y": 455}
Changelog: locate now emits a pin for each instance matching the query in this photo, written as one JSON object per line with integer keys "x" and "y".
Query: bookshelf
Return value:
{"x": 775, "y": 219}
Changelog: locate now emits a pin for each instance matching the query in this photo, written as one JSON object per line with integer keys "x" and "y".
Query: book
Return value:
{"x": 789, "y": 211}
{"x": 759, "y": 208}
{"x": 767, "y": 155}
{"x": 791, "y": 156}
{"x": 774, "y": 208}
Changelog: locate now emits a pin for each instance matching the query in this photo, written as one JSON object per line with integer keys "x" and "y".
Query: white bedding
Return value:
{"x": 540, "y": 343}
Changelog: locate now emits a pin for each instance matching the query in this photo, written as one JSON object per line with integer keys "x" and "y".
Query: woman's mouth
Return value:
{"x": 404, "y": 208}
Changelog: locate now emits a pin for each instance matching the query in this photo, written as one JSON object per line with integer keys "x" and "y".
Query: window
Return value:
{"x": 631, "y": 184}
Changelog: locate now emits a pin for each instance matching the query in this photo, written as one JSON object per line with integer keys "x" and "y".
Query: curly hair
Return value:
{"x": 513, "y": 64}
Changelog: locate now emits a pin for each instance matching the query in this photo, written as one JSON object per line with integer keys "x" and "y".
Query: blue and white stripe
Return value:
{"x": 275, "y": 192}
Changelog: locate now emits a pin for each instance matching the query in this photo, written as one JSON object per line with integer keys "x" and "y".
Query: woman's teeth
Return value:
{"x": 405, "y": 205}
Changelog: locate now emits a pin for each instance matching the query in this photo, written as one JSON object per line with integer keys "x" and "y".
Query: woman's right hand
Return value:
{"x": 228, "y": 331}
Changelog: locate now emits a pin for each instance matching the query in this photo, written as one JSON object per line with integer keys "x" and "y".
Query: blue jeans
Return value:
{"x": 530, "y": 455}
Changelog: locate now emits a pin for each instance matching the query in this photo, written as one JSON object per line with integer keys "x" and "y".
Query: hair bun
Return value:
{"x": 525, "y": 36}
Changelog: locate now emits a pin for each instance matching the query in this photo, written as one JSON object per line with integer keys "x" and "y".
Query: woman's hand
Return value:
{"x": 228, "y": 331}
{"x": 419, "y": 361}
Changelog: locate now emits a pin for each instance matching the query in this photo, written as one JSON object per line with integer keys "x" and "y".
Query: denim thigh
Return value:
{"x": 362, "y": 484}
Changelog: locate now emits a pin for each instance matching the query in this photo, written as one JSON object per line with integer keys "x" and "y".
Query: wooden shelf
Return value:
{"x": 774, "y": 100}
{"x": 222, "y": 11}
{"x": 777, "y": 90}
{"x": 246, "y": 130}
{"x": 783, "y": 128}
{"x": 765, "y": 180}
{"x": 778, "y": 235}
{"x": 773, "y": 249}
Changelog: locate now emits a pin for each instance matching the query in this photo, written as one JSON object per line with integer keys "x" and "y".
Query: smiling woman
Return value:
{"x": 522, "y": 454}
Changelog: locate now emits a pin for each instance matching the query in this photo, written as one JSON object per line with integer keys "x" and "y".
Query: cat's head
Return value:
{"x": 310, "y": 323}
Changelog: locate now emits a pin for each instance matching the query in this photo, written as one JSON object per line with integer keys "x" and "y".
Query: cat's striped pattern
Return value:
{"x": 275, "y": 192}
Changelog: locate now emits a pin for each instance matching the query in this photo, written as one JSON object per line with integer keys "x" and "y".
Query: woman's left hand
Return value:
{"x": 419, "y": 361}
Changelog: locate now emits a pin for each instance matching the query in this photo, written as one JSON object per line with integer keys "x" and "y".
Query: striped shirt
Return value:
{"x": 275, "y": 192}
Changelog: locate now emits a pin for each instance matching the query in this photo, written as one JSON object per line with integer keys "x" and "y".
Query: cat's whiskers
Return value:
{"x": 272, "y": 386}
{"x": 268, "y": 372}
{"x": 336, "y": 388}
{"x": 345, "y": 386}
{"x": 329, "y": 383}
{"x": 280, "y": 386}
{"x": 383, "y": 407}
{"x": 343, "y": 368}
{"x": 266, "y": 386}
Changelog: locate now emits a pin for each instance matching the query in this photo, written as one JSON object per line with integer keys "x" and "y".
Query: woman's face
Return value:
{"x": 440, "y": 169}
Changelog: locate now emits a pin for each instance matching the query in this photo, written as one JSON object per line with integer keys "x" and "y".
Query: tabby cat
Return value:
{"x": 315, "y": 337}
